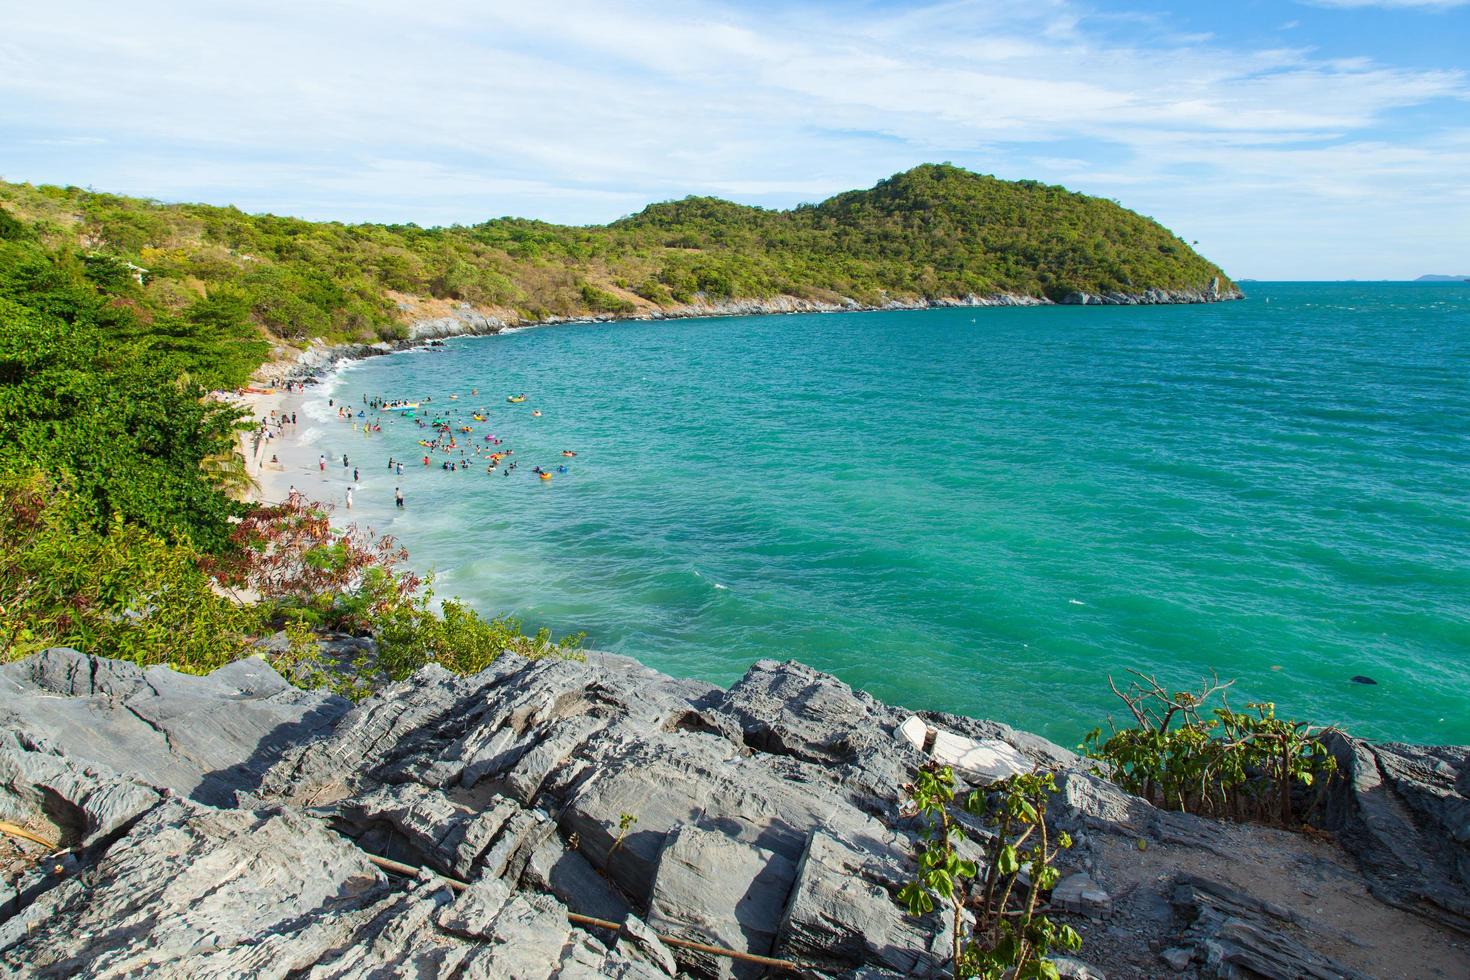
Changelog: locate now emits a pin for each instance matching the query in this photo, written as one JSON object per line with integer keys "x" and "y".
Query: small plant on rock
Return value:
{"x": 1244, "y": 765}
{"x": 625, "y": 824}
{"x": 1001, "y": 887}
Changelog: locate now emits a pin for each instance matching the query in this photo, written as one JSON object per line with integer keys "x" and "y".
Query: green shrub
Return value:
{"x": 1007, "y": 939}
{"x": 457, "y": 638}
{"x": 1241, "y": 765}
{"x": 306, "y": 571}
{"x": 119, "y": 591}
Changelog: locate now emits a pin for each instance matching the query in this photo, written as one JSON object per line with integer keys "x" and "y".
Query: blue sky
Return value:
{"x": 1325, "y": 139}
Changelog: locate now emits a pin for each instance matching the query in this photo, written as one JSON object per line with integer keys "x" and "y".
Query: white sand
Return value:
{"x": 287, "y": 460}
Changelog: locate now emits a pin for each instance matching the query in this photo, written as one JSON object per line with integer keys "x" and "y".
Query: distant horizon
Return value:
{"x": 1301, "y": 140}
{"x": 159, "y": 200}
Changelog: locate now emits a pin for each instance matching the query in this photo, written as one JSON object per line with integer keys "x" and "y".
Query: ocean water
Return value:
{"x": 983, "y": 511}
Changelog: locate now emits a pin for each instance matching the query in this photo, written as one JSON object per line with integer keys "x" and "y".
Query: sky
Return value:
{"x": 1327, "y": 139}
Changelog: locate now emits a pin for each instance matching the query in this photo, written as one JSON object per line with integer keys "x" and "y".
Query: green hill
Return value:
{"x": 206, "y": 276}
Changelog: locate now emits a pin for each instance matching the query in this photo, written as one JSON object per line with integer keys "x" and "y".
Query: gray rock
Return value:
{"x": 767, "y": 820}
{"x": 1237, "y": 937}
{"x": 205, "y": 737}
{"x": 713, "y": 889}
{"x": 638, "y": 940}
{"x": 1177, "y": 958}
{"x": 567, "y": 874}
{"x": 68, "y": 803}
{"x": 789, "y": 709}
{"x": 841, "y": 914}
{"x": 1071, "y": 968}
{"x": 1088, "y": 802}
{"x": 1079, "y": 893}
{"x": 1404, "y": 812}
{"x": 194, "y": 885}
{"x": 434, "y": 830}
{"x": 474, "y": 912}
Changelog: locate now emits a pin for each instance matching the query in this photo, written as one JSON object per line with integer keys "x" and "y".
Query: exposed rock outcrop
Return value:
{"x": 222, "y": 826}
{"x": 1405, "y": 811}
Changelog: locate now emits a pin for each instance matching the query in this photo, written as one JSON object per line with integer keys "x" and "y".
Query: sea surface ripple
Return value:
{"x": 984, "y": 511}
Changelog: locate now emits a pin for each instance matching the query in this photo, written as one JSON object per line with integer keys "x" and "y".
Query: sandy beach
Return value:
{"x": 291, "y": 457}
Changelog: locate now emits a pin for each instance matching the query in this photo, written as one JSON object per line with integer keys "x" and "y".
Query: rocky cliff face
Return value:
{"x": 222, "y": 826}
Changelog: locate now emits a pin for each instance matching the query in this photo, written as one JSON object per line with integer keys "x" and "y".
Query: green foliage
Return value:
{"x": 116, "y": 591}
{"x": 458, "y": 639}
{"x": 316, "y": 575}
{"x": 1008, "y": 938}
{"x": 1241, "y": 765}
{"x": 625, "y": 824}
{"x": 930, "y": 232}
{"x": 92, "y": 395}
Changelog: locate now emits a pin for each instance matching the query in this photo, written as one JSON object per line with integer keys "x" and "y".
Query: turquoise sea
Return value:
{"x": 985, "y": 511}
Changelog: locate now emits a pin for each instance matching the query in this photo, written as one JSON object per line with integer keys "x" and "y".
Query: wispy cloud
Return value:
{"x": 458, "y": 110}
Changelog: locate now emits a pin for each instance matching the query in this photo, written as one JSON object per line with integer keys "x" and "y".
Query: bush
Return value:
{"x": 120, "y": 592}
{"x": 458, "y": 639}
{"x": 308, "y": 573}
{"x": 1241, "y": 765}
{"x": 1008, "y": 939}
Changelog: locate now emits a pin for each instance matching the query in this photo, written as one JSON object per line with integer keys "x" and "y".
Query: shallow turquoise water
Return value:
{"x": 985, "y": 511}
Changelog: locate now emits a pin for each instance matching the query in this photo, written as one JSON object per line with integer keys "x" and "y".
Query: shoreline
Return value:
{"x": 319, "y": 359}
{"x": 294, "y": 364}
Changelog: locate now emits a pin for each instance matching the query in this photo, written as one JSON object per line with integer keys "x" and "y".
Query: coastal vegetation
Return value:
{"x": 1242, "y": 765}
{"x": 1001, "y": 884}
{"x": 217, "y": 281}
{"x": 118, "y": 534}
{"x": 120, "y": 590}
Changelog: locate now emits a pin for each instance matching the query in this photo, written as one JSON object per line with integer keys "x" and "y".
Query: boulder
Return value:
{"x": 1238, "y": 937}
{"x": 203, "y": 737}
{"x": 765, "y": 818}
{"x": 195, "y": 890}
{"x": 1404, "y": 812}
{"x": 713, "y": 889}
{"x": 842, "y": 916}
{"x": 1079, "y": 893}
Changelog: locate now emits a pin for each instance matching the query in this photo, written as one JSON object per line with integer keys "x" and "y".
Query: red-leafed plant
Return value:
{"x": 290, "y": 555}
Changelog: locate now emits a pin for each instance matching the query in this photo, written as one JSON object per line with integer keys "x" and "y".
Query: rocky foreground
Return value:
{"x": 222, "y": 826}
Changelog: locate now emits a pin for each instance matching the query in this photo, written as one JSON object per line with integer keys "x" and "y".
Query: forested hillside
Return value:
{"x": 199, "y": 274}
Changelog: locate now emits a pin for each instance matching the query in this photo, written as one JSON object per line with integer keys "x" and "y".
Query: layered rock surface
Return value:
{"x": 221, "y": 826}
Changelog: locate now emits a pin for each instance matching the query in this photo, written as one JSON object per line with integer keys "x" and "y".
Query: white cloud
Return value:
{"x": 580, "y": 111}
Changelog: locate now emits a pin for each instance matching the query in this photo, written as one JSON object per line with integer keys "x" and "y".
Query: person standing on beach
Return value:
{"x": 349, "y": 498}
{"x": 321, "y": 462}
{"x": 398, "y": 497}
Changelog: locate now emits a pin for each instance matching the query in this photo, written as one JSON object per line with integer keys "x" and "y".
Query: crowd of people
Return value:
{"x": 448, "y": 436}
